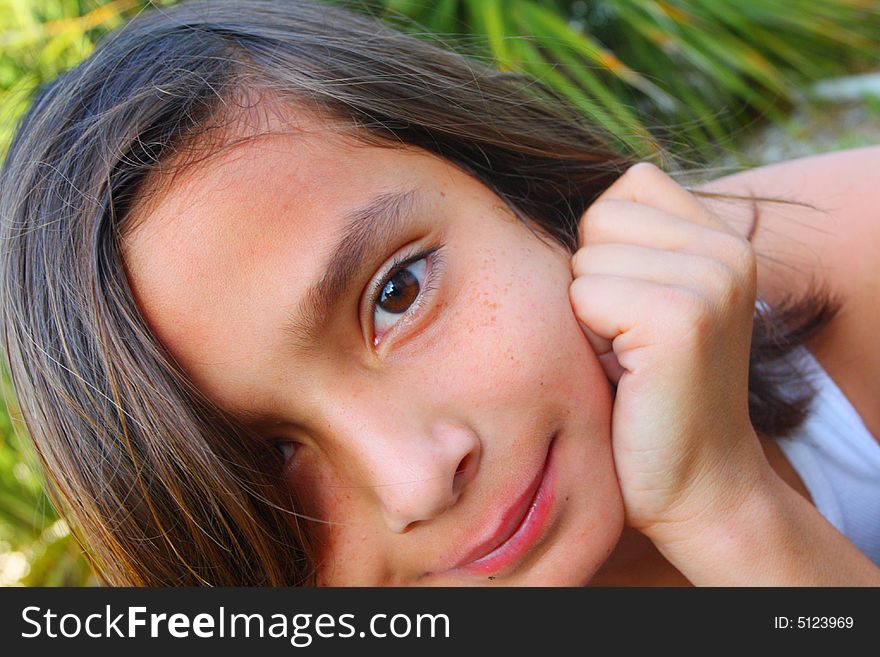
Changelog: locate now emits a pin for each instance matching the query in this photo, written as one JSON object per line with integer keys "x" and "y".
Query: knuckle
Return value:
{"x": 740, "y": 255}
{"x": 722, "y": 282}
{"x": 643, "y": 169}
{"x": 720, "y": 275}
{"x": 736, "y": 245}
{"x": 745, "y": 261}
{"x": 642, "y": 177}
{"x": 691, "y": 307}
{"x": 727, "y": 287}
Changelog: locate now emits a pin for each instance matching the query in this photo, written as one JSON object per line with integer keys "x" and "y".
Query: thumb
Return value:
{"x": 605, "y": 354}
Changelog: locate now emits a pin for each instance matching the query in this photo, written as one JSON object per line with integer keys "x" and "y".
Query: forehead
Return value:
{"x": 218, "y": 255}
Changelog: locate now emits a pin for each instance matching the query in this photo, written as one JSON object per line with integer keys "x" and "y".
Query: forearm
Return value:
{"x": 774, "y": 537}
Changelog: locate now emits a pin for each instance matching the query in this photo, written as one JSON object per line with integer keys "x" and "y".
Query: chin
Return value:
{"x": 577, "y": 556}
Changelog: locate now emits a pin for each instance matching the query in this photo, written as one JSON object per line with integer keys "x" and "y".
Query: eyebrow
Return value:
{"x": 365, "y": 229}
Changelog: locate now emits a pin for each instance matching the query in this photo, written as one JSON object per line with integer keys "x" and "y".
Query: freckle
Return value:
{"x": 442, "y": 193}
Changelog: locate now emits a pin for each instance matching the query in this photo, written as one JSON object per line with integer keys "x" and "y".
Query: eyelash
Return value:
{"x": 402, "y": 261}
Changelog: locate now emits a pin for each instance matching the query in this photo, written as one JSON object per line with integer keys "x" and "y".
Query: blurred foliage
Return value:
{"x": 41, "y": 38}
{"x": 36, "y": 548}
{"x": 690, "y": 75}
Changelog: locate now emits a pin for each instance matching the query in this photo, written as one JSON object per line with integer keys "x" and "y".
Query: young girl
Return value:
{"x": 290, "y": 297}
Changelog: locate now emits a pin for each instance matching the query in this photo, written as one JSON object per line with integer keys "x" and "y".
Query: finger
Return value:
{"x": 605, "y": 354}
{"x": 625, "y": 312}
{"x": 627, "y": 222}
{"x": 710, "y": 278}
{"x": 645, "y": 183}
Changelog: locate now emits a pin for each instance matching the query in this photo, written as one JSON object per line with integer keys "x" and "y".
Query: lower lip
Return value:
{"x": 528, "y": 532}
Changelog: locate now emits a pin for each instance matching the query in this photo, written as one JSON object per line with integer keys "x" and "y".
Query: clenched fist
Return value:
{"x": 665, "y": 292}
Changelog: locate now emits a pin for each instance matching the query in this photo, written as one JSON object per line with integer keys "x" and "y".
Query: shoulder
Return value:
{"x": 831, "y": 231}
{"x": 835, "y": 243}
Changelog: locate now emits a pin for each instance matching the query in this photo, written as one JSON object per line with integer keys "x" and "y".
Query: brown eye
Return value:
{"x": 399, "y": 292}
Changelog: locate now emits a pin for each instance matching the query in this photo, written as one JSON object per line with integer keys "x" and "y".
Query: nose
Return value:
{"x": 417, "y": 477}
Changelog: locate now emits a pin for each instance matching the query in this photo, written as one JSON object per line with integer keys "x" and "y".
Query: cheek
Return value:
{"x": 337, "y": 526}
{"x": 520, "y": 329}
{"x": 347, "y": 535}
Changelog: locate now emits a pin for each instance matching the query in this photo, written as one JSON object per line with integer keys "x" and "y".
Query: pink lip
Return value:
{"x": 519, "y": 527}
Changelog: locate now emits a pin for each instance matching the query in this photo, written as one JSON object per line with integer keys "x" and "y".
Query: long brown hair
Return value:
{"x": 162, "y": 487}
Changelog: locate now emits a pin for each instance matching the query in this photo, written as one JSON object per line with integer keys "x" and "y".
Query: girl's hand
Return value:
{"x": 665, "y": 293}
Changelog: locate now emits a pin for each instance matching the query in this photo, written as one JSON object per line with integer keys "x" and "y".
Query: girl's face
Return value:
{"x": 456, "y": 429}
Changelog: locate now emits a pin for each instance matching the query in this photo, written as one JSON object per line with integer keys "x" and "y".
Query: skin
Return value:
{"x": 833, "y": 240}
{"x": 410, "y": 451}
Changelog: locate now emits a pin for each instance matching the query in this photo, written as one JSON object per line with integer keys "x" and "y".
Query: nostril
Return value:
{"x": 410, "y": 526}
{"x": 461, "y": 474}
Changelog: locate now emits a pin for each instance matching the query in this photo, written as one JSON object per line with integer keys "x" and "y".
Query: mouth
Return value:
{"x": 520, "y": 526}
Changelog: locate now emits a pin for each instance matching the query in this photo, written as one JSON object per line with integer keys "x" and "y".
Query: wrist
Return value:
{"x": 724, "y": 494}
{"x": 719, "y": 509}
{"x": 730, "y": 526}
{"x": 768, "y": 536}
